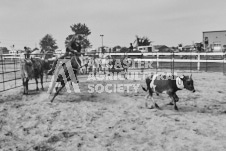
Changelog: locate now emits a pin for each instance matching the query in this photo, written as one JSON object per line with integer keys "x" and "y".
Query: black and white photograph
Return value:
{"x": 112, "y": 75}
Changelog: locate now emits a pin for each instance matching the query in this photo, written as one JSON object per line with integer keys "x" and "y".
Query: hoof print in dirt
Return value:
{"x": 171, "y": 103}
{"x": 152, "y": 107}
{"x": 43, "y": 147}
{"x": 53, "y": 139}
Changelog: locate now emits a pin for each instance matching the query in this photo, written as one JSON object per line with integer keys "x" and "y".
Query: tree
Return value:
{"x": 48, "y": 41}
{"x": 124, "y": 49}
{"x": 114, "y": 49}
{"x": 4, "y": 50}
{"x": 142, "y": 41}
{"x": 83, "y": 31}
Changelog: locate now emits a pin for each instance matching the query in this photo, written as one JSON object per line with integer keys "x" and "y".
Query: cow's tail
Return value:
{"x": 145, "y": 89}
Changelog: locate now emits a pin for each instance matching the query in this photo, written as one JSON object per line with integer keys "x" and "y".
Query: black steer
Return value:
{"x": 168, "y": 84}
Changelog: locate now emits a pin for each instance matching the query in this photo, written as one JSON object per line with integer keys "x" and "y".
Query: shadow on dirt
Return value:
{"x": 211, "y": 109}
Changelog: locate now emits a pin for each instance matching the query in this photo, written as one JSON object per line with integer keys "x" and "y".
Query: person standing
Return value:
{"x": 27, "y": 53}
{"x": 131, "y": 47}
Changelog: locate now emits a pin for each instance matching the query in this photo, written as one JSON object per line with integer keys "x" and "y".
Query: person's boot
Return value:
{"x": 50, "y": 72}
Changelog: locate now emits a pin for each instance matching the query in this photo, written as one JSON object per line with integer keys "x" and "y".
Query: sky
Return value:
{"x": 165, "y": 22}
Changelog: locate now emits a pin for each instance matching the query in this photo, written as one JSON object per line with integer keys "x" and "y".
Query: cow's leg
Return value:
{"x": 86, "y": 68}
{"x": 175, "y": 106}
{"x": 46, "y": 77}
{"x": 154, "y": 105}
{"x": 26, "y": 85}
{"x": 172, "y": 96}
{"x": 171, "y": 102}
{"x": 146, "y": 98}
{"x": 41, "y": 77}
{"x": 76, "y": 78}
{"x": 36, "y": 80}
{"x": 176, "y": 98}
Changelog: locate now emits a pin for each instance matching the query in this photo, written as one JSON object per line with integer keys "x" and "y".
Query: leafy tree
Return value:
{"x": 114, "y": 49}
{"x": 124, "y": 49}
{"x": 83, "y": 31}
{"x": 80, "y": 29}
{"x": 48, "y": 41}
{"x": 142, "y": 41}
{"x": 4, "y": 50}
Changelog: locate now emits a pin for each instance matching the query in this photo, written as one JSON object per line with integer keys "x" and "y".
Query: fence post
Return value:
{"x": 142, "y": 69}
{"x": 206, "y": 61}
{"x": 224, "y": 57}
{"x": 157, "y": 60}
{"x": 172, "y": 70}
{"x": 3, "y": 71}
{"x": 198, "y": 62}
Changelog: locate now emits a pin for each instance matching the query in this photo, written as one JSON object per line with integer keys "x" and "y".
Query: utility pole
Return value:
{"x": 102, "y": 37}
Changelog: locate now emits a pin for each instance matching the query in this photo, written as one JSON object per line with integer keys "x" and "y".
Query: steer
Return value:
{"x": 158, "y": 83}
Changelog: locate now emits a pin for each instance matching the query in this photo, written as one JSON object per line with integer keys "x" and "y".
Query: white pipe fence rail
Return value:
{"x": 157, "y": 58}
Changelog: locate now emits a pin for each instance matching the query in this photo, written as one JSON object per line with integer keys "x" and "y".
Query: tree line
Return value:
{"x": 49, "y": 43}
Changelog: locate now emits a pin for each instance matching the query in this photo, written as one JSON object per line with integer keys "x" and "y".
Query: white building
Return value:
{"x": 214, "y": 40}
{"x": 149, "y": 48}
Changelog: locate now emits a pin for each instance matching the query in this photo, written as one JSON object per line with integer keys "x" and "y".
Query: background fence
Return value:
{"x": 10, "y": 76}
{"x": 208, "y": 62}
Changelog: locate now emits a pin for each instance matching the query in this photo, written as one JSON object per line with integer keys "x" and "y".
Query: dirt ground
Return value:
{"x": 115, "y": 121}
